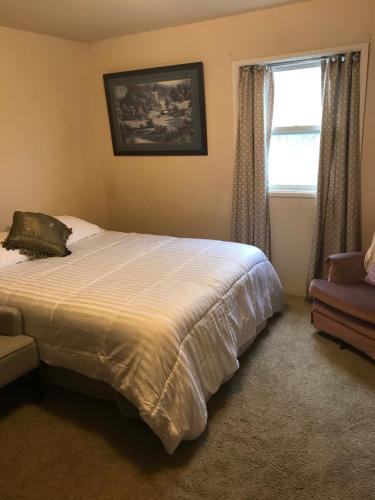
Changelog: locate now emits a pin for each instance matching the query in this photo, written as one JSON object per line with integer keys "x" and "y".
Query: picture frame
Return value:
{"x": 157, "y": 111}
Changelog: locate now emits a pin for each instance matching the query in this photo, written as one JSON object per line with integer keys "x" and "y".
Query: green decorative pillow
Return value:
{"x": 38, "y": 235}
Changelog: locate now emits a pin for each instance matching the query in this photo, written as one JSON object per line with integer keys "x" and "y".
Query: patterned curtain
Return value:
{"x": 250, "y": 208}
{"x": 337, "y": 220}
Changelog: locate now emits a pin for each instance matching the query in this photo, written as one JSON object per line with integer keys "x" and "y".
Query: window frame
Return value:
{"x": 298, "y": 59}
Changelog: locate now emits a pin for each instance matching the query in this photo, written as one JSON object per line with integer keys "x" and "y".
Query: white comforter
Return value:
{"x": 161, "y": 319}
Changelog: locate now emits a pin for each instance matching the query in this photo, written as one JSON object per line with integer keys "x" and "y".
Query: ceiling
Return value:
{"x": 92, "y": 20}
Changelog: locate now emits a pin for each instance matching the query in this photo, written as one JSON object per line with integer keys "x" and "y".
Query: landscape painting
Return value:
{"x": 159, "y": 111}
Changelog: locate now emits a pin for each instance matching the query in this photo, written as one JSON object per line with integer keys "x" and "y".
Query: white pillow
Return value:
{"x": 10, "y": 257}
{"x": 370, "y": 255}
{"x": 81, "y": 228}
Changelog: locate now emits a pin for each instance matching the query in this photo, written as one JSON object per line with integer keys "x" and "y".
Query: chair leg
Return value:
{"x": 34, "y": 382}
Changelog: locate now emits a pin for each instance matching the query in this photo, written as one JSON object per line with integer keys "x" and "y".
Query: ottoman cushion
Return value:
{"x": 18, "y": 356}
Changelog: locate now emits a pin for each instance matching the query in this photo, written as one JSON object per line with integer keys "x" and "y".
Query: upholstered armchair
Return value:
{"x": 344, "y": 305}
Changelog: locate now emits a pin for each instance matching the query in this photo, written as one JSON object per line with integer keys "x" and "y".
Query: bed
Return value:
{"x": 161, "y": 320}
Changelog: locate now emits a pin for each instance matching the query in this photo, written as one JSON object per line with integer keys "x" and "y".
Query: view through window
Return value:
{"x": 294, "y": 150}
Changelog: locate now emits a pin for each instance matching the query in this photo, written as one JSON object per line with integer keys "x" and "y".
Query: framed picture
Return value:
{"x": 157, "y": 111}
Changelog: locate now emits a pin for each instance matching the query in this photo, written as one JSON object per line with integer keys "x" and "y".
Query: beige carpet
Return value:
{"x": 296, "y": 422}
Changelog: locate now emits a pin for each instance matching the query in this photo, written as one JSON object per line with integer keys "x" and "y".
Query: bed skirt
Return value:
{"x": 73, "y": 381}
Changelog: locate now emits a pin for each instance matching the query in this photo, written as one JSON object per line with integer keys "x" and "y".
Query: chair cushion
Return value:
{"x": 355, "y": 299}
{"x": 10, "y": 344}
{"x": 18, "y": 356}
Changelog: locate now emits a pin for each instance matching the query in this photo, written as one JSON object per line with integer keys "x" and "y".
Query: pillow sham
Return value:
{"x": 80, "y": 228}
{"x": 10, "y": 257}
{"x": 37, "y": 235}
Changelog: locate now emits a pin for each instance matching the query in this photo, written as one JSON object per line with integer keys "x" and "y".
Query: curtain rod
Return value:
{"x": 296, "y": 62}
{"x": 307, "y": 59}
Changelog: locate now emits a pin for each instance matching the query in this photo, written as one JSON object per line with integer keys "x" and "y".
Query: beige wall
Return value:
{"x": 46, "y": 156}
{"x": 292, "y": 222}
{"x": 191, "y": 196}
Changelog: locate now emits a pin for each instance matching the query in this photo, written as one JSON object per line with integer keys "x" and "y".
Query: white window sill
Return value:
{"x": 292, "y": 194}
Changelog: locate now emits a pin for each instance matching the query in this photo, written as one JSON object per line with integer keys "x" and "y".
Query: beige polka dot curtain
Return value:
{"x": 250, "y": 209}
{"x": 337, "y": 220}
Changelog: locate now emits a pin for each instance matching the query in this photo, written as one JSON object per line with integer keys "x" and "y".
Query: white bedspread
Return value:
{"x": 161, "y": 319}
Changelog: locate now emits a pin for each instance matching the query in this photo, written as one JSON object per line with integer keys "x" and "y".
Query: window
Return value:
{"x": 294, "y": 150}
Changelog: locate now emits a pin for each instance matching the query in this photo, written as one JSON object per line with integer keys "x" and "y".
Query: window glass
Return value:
{"x": 294, "y": 159}
{"x": 297, "y": 97}
{"x": 294, "y": 150}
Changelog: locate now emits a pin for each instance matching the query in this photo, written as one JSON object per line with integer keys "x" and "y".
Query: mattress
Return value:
{"x": 161, "y": 319}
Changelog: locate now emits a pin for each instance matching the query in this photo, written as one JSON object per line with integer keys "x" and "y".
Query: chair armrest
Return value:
{"x": 346, "y": 267}
{"x": 11, "y": 321}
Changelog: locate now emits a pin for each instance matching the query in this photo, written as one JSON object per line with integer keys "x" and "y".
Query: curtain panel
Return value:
{"x": 337, "y": 220}
{"x": 250, "y": 205}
